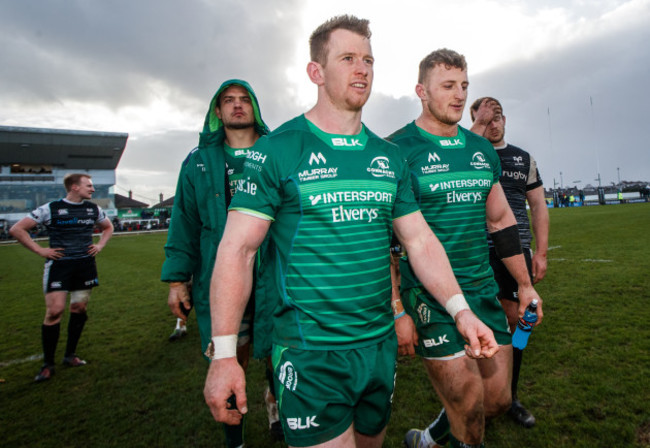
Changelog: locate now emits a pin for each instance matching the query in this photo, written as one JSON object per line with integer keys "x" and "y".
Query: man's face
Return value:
{"x": 84, "y": 188}
{"x": 348, "y": 73}
{"x": 444, "y": 93}
{"x": 496, "y": 130}
{"x": 235, "y": 108}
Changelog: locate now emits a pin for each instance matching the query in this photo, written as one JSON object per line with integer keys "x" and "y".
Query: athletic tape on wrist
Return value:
{"x": 222, "y": 347}
{"x": 456, "y": 304}
{"x": 397, "y": 316}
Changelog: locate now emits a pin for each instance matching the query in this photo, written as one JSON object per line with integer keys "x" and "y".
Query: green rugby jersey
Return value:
{"x": 235, "y": 159}
{"x": 332, "y": 199}
{"x": 452, "y": 177}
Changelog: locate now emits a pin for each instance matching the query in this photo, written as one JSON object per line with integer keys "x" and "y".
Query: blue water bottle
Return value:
{"x": 525, "y": 326}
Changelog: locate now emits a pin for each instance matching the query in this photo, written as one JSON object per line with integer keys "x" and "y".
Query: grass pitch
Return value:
{"x": 586, "y": 372}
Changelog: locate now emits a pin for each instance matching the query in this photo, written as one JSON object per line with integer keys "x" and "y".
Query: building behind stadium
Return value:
{"x": 33, "y": 162}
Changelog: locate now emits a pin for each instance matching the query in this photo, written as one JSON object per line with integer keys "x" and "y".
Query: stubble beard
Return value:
{"x": 239, "y": 125}
{"x": 443, "y": 118}
{"x": 497, "y": 138}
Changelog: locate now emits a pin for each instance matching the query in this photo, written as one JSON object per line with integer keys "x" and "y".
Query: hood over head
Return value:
{"x": 213, "y": 126}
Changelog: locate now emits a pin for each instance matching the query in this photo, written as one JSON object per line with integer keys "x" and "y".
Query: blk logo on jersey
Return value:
{"x": 436, "y": 342}
{"x": 62, "y": 211}
{"x": 297, "y": 423}
{"x": 451, "y": 142}
{"x": 348, "y": 142}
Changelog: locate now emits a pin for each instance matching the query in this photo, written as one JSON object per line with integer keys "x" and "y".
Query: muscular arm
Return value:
{"x": 20, "y": 231}
{"x": 498, "y": 217}
{"x": 427, "y": 256}
{"x": 230, "y": 289}
{"x": 431, "y": 265}
{"x": 540, "y": 223}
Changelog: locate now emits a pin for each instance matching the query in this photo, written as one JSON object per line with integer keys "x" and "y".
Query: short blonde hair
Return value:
{"x": 73, "y": 179}
{"x": 448, "y": 58}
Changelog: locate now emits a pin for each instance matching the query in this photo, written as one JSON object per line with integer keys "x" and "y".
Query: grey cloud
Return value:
{"x": 577, "y": 138}
{"x": 111, "y": 52}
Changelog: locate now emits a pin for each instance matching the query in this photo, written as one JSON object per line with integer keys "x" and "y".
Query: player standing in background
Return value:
{"x": 70, "y": 265}
{"x": 521, "y": 182}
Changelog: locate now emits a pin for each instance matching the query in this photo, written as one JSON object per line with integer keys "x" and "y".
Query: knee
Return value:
{"x": 79, "y": 308}
{"x": 53, "y": 314}
{"x": 470, "y": 408}
{"x": 498, "y": 404}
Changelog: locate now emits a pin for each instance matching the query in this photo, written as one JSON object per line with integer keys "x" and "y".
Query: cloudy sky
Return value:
{"x": 572, "y": 74}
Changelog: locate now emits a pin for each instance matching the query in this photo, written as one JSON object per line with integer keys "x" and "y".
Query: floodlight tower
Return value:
{"x": 593, "y": 123}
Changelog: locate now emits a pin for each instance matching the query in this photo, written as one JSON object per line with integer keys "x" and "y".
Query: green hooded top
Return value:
{"x": 199, "y": 212}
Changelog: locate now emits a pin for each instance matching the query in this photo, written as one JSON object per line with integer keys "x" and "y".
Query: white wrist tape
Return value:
{"x": 456, "y": 304}
{"x": 223, "y": 346}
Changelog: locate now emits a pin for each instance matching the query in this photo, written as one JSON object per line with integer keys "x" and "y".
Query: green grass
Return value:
{"x": 586, "y": 373}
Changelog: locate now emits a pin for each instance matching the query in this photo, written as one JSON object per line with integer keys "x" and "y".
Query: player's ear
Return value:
{"x": 420, "y": 91}
{"x": 315, "y": 73}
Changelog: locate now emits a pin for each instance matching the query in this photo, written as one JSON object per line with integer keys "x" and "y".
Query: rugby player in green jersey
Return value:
{"x": 330, "y": 193}
{"x": 456, "y": 182}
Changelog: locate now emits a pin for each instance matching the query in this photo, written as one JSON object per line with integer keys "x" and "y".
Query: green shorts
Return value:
{"x": 438, "y": 336}
{"x": 321, "y": 393}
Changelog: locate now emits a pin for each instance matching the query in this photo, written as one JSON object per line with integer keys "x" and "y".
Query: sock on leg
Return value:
{"x": 439, "y": 430}
{"x": 517, "y": 356}
{"x": 50, "y": 338}
{"x": 75, "y": 327}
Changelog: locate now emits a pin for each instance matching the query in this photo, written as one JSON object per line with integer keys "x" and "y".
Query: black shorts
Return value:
{"x": 70, "y": 275}
{"x": 507, "y": 284}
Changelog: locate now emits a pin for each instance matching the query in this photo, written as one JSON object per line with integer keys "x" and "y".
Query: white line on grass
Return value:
{"x": 20, "y": 361}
